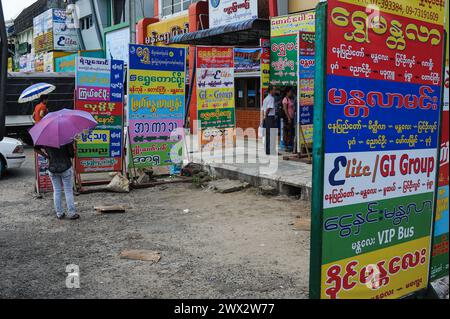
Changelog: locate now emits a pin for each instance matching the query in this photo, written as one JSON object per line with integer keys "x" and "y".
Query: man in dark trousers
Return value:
{"x": 270, "y": 121}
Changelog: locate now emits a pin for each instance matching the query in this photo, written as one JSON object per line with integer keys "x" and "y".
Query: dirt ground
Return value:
{"x": 237, "y": 245}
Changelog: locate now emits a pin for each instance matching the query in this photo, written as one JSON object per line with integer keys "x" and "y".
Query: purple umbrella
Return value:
{"x": 60, "y": 128}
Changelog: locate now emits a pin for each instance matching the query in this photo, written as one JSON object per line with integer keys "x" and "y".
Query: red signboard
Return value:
{"x": 383, "y": 46}
{"x": 43, "y": 181}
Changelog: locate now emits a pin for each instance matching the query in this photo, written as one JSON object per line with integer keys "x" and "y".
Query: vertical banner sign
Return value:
{"x": 283, "y": 60}
{"x": 306, "y": 63}
{"x": 215, "y": 92}
{"x": 156, "y": 95}
{"x": 380, "y": 126}
{"x": 439, "y": 260}
{"x": 284, "y": 46}
{"x": 265, "y": 68}
{"x": 100, "y": 91}
{"x": 43, "y": 180}
{"x": 265, "y": 75}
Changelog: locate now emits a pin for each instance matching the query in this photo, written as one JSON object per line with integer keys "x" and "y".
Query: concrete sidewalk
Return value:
{"x": 248, "y": 162}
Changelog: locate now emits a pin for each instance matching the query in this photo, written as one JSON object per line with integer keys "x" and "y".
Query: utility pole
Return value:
{"x": 3, "y": 71}
{"x": 132, "y": 10}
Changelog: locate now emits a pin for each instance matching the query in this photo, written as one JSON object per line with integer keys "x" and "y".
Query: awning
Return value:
{"x": 247, "y": 32}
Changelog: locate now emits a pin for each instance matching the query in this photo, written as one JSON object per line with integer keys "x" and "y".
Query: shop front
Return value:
{"x": 241, "y": 27}
{"x": 247, "y": 73}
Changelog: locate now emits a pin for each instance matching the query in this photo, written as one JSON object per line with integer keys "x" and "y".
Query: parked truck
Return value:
{"x": 18, "y": 118}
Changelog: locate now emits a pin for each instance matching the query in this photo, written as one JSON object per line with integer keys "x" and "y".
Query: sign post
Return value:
{"x": 377, "y": 113}
{"x": 216, "y": 96}
{"x": 99, "y": 91}
{"x": 156, "y": 96}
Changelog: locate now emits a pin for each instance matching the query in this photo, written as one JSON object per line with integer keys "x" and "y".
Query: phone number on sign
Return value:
{"x": 398, "y": 8}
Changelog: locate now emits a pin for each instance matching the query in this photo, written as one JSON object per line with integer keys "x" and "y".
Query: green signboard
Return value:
{"x": 283, "y": 60}
{"x": 376, "y": 146}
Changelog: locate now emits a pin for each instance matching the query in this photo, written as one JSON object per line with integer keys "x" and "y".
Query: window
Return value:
{"x": 118, "y": 11}
{"x": 86, "y": 22}
{"x": 247, "y": 92}
{"x": 170, "y": 7}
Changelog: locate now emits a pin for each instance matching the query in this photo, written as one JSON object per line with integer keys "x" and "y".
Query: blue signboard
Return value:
{"x": 372, "y": 110}
{"x": 154, "y": 58}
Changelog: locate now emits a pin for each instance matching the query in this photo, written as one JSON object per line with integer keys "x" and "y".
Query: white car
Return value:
{"x": 11, "y": 154}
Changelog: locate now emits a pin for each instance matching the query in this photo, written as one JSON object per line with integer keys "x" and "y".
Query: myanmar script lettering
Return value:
{"x": 375, "y": 22}
{"x": 147, "y": 80}
{"x": 346, "y": 278}
{"x": 235, "y": 7}
{"x": 93, "y": 93}
{"x": 356, "y": 102}
{"x": 153, "y": 105}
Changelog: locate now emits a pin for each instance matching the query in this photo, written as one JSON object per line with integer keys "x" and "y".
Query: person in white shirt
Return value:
{"x": 269, "y": 120}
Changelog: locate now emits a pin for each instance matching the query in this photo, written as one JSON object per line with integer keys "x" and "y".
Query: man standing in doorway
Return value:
{"x": 269, "y": 121}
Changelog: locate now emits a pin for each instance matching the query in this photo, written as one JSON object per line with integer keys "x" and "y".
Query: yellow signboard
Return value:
{"x": 292, "y": 24}
{"x": 161, "y": 33}
{"x": 387, "y": 273}
{"x": 10, "y": 65}
{"x": 159, "y": 82}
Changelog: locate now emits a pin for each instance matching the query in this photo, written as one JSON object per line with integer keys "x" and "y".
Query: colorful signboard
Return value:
{"x": 160, "y": 33}
{"x": 156, "y": 95}
{"x": 265, "y": 74}
{"x": 99, "y": 91}
{"x": 265, "y": 68}
{"x": 224, "y": 12}
{"x": 215, "y": 92}
{"x": 305, "y": 95}
{"x": 284, "y": 32}
{"x": 65, "y": 63}
{"x": 380, "y": 126}
{"x": 292, "y": 24}
{"x": 64, "y": 37}
{"x": 440, "y": 257}
{"x": 247, "y": 60}
{"x": 51, "y": 32}
{"x": 43, "y": 180}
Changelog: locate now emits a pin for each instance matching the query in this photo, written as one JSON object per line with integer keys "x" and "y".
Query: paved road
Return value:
{"x": 236, "y": 245}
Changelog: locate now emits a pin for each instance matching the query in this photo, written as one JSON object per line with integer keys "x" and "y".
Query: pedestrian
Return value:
{"x": 270, "y": 121}
{"x": 41, "y": 109}
{"x": 289, "y": 123}
{"x": 61, "y": 174}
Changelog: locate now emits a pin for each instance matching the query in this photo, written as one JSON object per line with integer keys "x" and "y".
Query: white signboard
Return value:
{"x": 223, "y": 12}
{"x": 64, "y": 38}
{"x": 117, "y": 44}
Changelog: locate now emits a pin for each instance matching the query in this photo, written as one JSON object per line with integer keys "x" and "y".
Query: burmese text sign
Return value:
{"x": 215, "y": 91}
{"x": 156, "y": 95}
{"x": 306, "y": 65}
{"x": 100, "y": 91}
{"x": 223, "y": 12}
{"x": 439, "y": 261}
{"x": 381, "y": 124}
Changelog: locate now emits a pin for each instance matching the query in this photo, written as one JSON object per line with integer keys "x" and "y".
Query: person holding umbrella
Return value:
{"x": 53, "y": 138}
{"x": 37, "y": 91}
{"x": 41, "y": 109}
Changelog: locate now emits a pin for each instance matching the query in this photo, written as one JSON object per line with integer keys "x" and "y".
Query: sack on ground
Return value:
{"x": 119, "y": 184}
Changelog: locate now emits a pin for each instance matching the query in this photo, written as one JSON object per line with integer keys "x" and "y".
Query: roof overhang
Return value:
{"x": 247, "y": 32}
